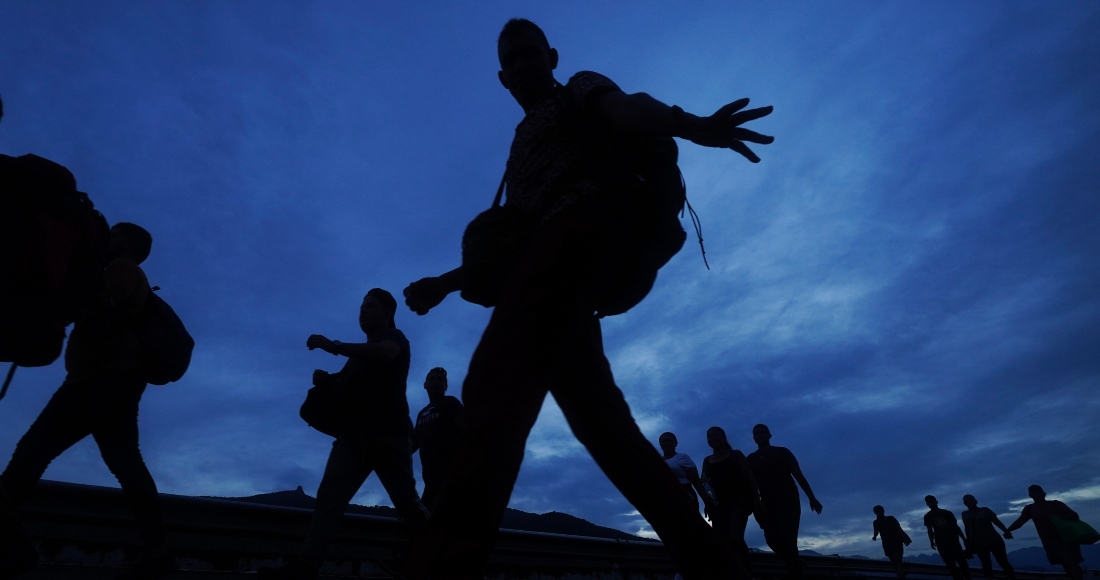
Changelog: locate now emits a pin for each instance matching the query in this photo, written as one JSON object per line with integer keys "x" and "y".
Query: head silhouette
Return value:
{"x": 527, "y": 62}
{"x": 668, "y": 442}
{"x": 1036, "y": 493}
{"x": 970, "y": 501}
{"x": 436, "y": 383}
{"x": 879, "y": 510}
{"x": 131, "y": 241}
{"x": 931, "y": 501}
{"x": 376, "y": 312}
{"x": 762, "y": 435}
{"x": 716, "y": 438}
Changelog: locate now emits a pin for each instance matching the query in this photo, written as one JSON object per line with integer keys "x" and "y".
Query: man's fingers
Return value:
{"x": 751, "y": 114}
{"x": 745, "y": 151}
{"x": 751, "y": 136}
{"x": 731, "y": 108}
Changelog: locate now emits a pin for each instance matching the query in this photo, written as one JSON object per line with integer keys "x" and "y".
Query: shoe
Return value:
{"x": 297, "y": 569}
{"x": 149, "y": 566}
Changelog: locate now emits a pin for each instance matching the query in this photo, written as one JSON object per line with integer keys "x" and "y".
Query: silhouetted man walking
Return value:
{"x": 375, "y": 432}
{"x": 978, "y": 524}
{"x": 100, "y": 397}
{"x": 440, "y": 427}
{"x": 893, "y": 538}
{"x": 944, "y": 535}
{"x": 776, "y": 471}
{"x": 544, "y": 335}
{"x": 1059, "y": 552}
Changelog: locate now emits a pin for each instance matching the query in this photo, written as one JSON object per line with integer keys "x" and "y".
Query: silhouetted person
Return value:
{"x": 893, "y": 538}
{"x": 776, "y": 471}
{"x": 730, "y": 481}
{"x": 374, "y": 438}
{"x": 683, "y": 468}
{"x": 100, "y": 397}
{"x": 978, "y": 523}
{"x": 440, "y": 427}
{"x": 1059, "y": 552}
{"x": 944, "y": 534}
{"x": 544, "y": 335}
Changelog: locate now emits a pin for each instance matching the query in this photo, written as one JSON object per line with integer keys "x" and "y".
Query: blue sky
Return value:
{"x": 906, "y": 289}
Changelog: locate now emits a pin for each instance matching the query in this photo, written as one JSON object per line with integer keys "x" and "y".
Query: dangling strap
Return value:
{"x": 7, "y": 381}
{"x": 695, "y": 221}
{"x": 500, "y": 190}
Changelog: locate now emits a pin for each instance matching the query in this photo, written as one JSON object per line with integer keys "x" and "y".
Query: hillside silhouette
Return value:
{"x": 550, "y": 522}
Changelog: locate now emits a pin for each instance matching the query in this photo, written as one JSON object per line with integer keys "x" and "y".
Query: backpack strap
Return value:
{"x": 500, "y": 190}
{"x": 7, "y": 381}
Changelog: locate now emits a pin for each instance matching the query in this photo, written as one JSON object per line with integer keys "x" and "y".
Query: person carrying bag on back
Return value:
{"x": 106, "y": 378}
{"x": 591, "y": 223}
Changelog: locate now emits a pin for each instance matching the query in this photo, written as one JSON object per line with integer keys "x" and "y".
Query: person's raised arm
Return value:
{"x": 426, "y": 293}
{"x": 642, "y": 114}
{"x": 1025, "y": 515}
{"x": 384, "y": 349}
{"x": 796, "y": 471}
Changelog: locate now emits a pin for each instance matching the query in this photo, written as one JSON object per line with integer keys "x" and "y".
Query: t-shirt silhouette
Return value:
{"x": 773, "y": 468}
{"x": 374, "y": 390}
{"x": 727, "y": 479}
{"x": 979, "y": 526}
{"x": 892, "y": 535}
{"x": 944, "y": 526}
{"x": 439, "y": 430}
{"x": 680, "y": 463}
{"x": 551, "y": 154}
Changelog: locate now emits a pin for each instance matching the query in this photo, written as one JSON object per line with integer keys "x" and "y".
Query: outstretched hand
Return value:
{"x": 425, "y": 294}
{"x": 321, "y": 342}
{"x": 723, "y": 129}
{"x": 815, "y": 505}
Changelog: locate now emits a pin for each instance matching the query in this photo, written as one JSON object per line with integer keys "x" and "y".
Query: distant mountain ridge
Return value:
{"x": 550, "y": 522}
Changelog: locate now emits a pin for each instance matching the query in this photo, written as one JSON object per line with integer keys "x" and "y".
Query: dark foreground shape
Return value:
{"x": 88, "y": 532}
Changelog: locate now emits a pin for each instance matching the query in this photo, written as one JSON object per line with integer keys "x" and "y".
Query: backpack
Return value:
{"x": 53, "y": 245}
{"x": 644, "y": 174}
{"x": 166, "y": 344}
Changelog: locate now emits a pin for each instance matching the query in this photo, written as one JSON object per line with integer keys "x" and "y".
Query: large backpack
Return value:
{"x": 643, "y": 176}
{"x": 52, "y": 248}
{"x": 166, "y": 344}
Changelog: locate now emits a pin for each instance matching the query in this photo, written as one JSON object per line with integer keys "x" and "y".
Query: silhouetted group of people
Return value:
{"x": 733, "y": 487}
{"x": 978, "y": 536}
{"x": 585, "y": 227}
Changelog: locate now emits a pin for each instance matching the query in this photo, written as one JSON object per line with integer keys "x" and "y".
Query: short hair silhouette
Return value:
{"x": 931, "y": 498}
{"x": 387, "y": 302}
{"x": 879, "y": 510}
{"x": 518, "y": 26}
{"x": 141, "y": 241}
{"x": 761, "y": 426}
{"x": 717, "y": 429}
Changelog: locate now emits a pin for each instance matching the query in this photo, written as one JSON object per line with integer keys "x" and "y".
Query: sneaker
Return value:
{"x": 148, "y": 567}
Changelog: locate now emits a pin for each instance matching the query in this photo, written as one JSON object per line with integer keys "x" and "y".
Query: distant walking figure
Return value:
{"x": 1042, "y": 512}
{"x": 100, "y": 397}
{"x": 776, "y": 471}
{"x": 729, "y": 479}
{"x": 440, "y": 428}
{"x": 683, "y": 468}
{"x": 375, "y": 436}
{"x": 544, "y": 335}
{"x": 944, "y": 534}
{"x": 893, "y": 538}
{"x": 978, "y": 523}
